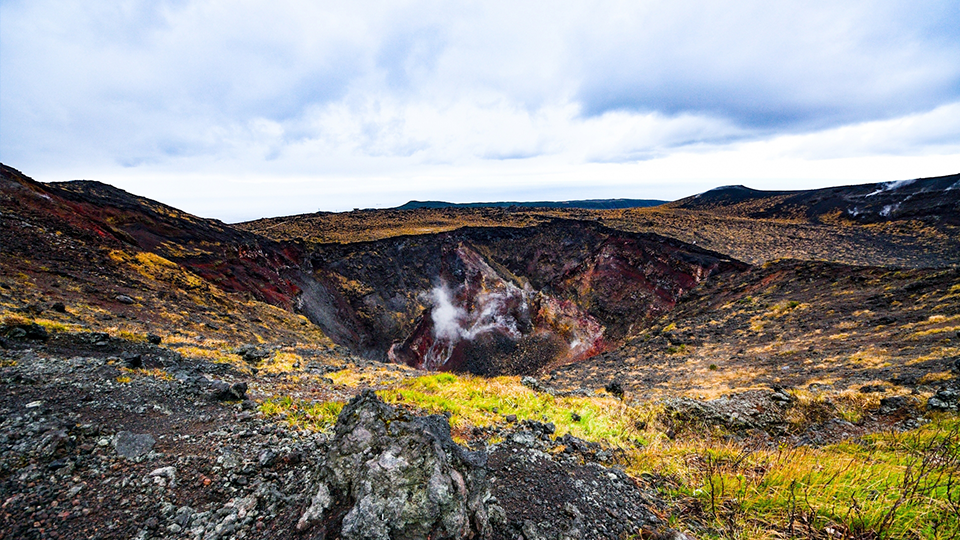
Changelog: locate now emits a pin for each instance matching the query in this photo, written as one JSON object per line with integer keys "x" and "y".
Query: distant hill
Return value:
{"x": 589, "y": 204}
{"x": 934, "y": 199}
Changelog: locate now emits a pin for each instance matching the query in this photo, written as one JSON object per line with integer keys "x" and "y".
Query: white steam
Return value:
{"x": 890, "y": 186}
{"x": 492, "y": 311}
{"x": 447, "y": 317}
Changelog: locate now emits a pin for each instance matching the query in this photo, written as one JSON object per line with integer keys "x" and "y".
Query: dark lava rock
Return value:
{"x": 390, "y": 475}
{"x": 154, "y": 339}
{"x": 904, "y": 380}
{"x": 222, "y": 391}
{"x": 615, "y": 388}
{"x": 25, "y": 331}
{"x": 894, "y": 404}
{"x": 96, "y": 338}
{"x": 546, "y": 494}
{"x": 251, "y": 353}
{"x": 59, "y": 307}
{"x": 16, "y": 333}
{"x": 133, "y": 445}
{"x": 35, "y": 331}
{"x": 532, "y": 383}
{"x": 946, "y": 399}
{"x": 132, "y": 360}
{"x": 30, "y": 309}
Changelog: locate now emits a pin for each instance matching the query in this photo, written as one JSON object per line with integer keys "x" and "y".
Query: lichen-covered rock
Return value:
{"x": 390, "y": 475}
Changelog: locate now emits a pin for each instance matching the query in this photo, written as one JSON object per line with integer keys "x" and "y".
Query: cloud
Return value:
{"x": 525, "y": 97}
{"x": 781, "y": 65}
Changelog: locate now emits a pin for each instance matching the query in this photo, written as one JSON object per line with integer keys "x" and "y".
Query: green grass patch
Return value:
{"x": 477, "y": 401}
{"x": 302, "y": 414}
{"x": 891, "y": 485}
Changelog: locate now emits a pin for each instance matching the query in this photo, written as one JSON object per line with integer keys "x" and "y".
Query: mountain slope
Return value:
{"x": 85, "y": 244}
{"x": 926, "y": 199}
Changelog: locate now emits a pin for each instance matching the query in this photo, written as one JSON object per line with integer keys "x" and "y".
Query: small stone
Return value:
{"x": 124, "y": 299}
{"x": 17, "y": 333}
{"x": 59, "y": 307}
{"x": 267, "y": 458}
{"x": 252, "y": 354}
{"x": 33, "y": 404}
{"x": 890, "y": 405}
{"x": 937, "y": 404}
{"x": 511, "y": 418}
{"x": 531, "y": 383}
{"x": 169, "y": 474}
{"x": 35, "y": 331}
{"x": 780, "y": 397}
{"x": 132, "y": 360}
{"x": 222, "y": 391}
{"x": 615, "y": 388}
{"x": 133, "y": 445}
{"x": 154, "y": 339}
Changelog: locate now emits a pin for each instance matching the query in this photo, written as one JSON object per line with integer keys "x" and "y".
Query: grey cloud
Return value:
{"x": 147, "y": 82}
{"x": 805, "y": 66}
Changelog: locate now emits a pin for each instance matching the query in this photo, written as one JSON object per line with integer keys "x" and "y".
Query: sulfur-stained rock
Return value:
{"x": 391, "y": 475}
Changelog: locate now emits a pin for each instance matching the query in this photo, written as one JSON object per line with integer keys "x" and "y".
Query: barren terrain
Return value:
{"x": 737, "y": 364}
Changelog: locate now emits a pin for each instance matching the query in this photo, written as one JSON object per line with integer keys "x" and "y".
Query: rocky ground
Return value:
{"x": 800, "y": 324}
{"x": 107, "y": 438}
{"x": 158, "y": 378}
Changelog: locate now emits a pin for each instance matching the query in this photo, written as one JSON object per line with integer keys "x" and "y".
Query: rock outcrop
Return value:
{"x": 749, "y": 410}
{"x": 391, "y": 475}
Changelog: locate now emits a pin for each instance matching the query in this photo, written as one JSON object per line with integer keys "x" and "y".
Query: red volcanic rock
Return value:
{"x": 102, "y": 215}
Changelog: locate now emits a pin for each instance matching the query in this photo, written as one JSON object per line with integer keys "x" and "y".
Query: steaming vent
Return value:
{"x": 487, "y": 324}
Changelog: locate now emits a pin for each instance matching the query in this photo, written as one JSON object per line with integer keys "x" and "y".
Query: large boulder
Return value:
{"x": 753, "y": 409}
{"x": 390, "y": 475}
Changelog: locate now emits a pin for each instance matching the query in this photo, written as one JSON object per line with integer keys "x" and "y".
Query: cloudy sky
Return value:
{"x": 240, "y": 109}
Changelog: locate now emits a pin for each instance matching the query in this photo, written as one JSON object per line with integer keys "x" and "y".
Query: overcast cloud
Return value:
{"x": 240, "y": 109}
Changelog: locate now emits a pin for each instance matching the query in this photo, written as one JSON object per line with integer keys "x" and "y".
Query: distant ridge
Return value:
{"x": 589, "y": 204}
{"x": 934, "y": 200}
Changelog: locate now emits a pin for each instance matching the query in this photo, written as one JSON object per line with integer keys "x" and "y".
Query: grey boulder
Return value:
{"x": 390, "y": 475}
{"x": 133, "y": 445}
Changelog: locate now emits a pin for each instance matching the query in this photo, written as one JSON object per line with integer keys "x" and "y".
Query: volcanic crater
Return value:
{"x": 500, "y": 300}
